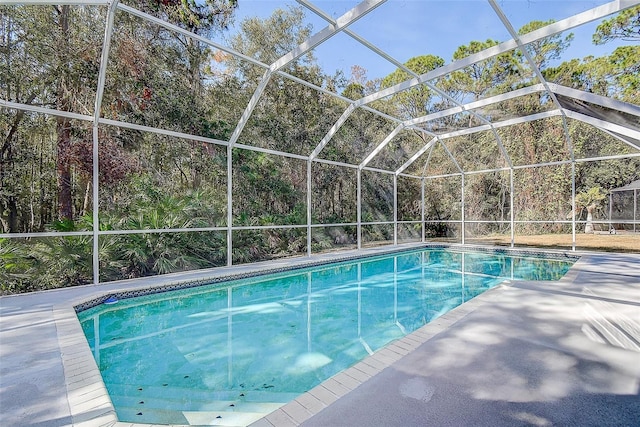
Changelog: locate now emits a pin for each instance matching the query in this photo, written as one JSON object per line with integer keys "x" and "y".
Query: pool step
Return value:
{"x": 229, "y": 419}
{"x": 221, "y": 413}
{"x": 235, "y": 417}
{"x": 162, "y": 405}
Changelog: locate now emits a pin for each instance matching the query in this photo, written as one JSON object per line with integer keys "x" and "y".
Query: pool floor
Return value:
{"x": 248, "y": 347}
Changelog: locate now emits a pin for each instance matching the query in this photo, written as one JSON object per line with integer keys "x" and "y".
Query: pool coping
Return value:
{"x": 90, "y": 403}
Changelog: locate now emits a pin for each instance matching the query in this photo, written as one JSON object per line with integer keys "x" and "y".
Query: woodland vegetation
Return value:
{"x": 50, "y": 57}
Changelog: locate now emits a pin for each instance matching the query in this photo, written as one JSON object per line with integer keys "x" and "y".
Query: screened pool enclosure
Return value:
{"x": 148, "y": 137}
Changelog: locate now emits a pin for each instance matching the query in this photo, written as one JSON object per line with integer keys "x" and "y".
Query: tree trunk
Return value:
{"x": 9, "y": 215}
{"x": 63, "y": 125}
{"x": 63, "y": 168}
{"x": 588, "y": 227}
{"x": 87, "y": 198}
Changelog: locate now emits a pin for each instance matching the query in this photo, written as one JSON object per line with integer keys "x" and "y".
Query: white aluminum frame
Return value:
{"x": 334, "y": 27}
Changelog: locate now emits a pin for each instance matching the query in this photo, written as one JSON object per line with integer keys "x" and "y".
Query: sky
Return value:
{"x": 408, "y": 28}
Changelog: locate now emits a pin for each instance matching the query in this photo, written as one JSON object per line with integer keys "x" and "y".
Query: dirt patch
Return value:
{"x": 627, "y": 242}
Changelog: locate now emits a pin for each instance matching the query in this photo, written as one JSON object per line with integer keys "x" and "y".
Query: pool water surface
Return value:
{"x": 249, "y": 346}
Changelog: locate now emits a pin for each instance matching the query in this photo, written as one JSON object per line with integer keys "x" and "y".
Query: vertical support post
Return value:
{"x": 610, "y": 209}
{"x": 395, "y": 209}
{"x": 573, "y": 205}
{"x": 102, "y": 76}
{"x": 96, "y": 205}
{"x": 422, "y": 207}
{"x": 309, "y": 207}
{"x": 635, "y": 208}
{"x": 462, "y": 206}
{"x": 229, "y": 205}
{"x": 512, "y": 215}
{"x": 359, "y": 208}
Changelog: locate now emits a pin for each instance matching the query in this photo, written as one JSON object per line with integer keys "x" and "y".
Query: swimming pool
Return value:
{"x": 251, "y": 345}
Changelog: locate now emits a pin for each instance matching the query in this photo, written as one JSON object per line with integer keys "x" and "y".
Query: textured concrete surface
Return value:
{"x": 564, "y": 353}
{"x": 529, "y": 353}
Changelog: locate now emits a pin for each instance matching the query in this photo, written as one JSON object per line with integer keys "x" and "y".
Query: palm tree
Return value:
{"x": 590, "y": 200}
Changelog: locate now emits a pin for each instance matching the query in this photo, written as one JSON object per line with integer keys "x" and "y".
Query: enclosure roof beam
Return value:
{"x": 158, "y": 131}
{"x": 417, "y": 155}
{"x": 534, "y": 67}
{"x": 230, "y": 51}
{"x": 504, "y": 123}
{"x": 593, "y": 98}
{"x": 475, "y": 130}
{"x": 408, "y": 175}
{"x": 476, "y": 104}
{"x": 479, "y": 172}
{"x": 389, "y": 138}
{"x": 253, "y": 102}
{"x": 381, "y": 114}
{"x": 621, "y": 139}
{"x": 314, "y": 86}
{"x": 341, "y": 23}
{"x": 507, "y": 24}
{"x": 337, "y": 96}
{"x": 367, "y": 168}
{"x": 44, "y": 110}
{"x": 471, "y": 105}
{"x": 312, "y": 7}
{"x": 613, "y": 157}
{"x": 377, "y": 51}
{"x": 556, "y": 163}
{"x": 348, "y": 18}
{"x": 335, "y": 163}
{"x": 426, "y": 163}
{"x": 612, "y": 127}
{"x": 104, "y": 56}
{"x": 380, "y": 146}
{"x": 184, "y": 32}
{"x": 549, "y": 30}
{"x": 325, "y": 140}
{"x": 453, "y": 159}
{"x": 358, "y": 38}
{"x": 259, "y": 90}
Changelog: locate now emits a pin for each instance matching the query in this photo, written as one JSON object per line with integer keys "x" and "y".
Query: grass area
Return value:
{"x": 624, "y": 242}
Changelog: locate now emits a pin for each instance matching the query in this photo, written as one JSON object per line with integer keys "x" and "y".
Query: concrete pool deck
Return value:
{"x": 524, "y": 353}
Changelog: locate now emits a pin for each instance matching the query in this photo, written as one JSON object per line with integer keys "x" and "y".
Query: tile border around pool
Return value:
{"x": 90, "y": 404}
{"x": 179, "y": 285}
{"x": 221, "y": 279}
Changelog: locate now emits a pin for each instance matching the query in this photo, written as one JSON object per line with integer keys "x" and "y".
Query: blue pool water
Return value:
{"x": 243, "y": 348}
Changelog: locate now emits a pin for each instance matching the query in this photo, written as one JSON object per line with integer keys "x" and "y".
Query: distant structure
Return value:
{"x": 634, "y": 187}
